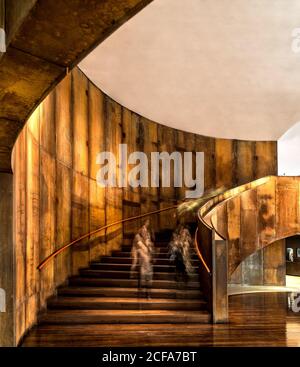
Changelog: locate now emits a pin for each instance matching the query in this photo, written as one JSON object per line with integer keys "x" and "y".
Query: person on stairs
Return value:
{"x": 179, "y": 252}
{"x": 142, "y": 256}
{"x": 176, "y": 258}
{"x": 186, "y": 242}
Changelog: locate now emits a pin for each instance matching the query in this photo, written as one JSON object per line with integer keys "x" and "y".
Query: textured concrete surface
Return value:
{"x": 45, "y": 39}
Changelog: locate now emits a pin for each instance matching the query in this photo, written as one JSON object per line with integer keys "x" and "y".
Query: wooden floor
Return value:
{"x": 260, "y": 319}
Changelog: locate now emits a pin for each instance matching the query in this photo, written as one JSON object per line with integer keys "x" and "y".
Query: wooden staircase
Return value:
{"x": 105, "y": 294}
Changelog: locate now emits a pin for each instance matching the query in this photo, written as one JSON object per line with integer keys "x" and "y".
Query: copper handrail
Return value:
{"x": 63, "y": 248}
{"x": 217, "y": 200}
{"x": 199, "y": 252}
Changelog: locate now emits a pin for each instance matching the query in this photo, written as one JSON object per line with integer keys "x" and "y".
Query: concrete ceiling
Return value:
{"x": 46, "y": 38}
{"x": 222, "y": 68}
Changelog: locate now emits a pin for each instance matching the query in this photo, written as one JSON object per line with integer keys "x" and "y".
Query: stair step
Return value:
{"x": 127, "y": 283}
{"x": 157, "y": 244}
{"x": 126, "y": 267}
{"x": 123, "y": 317}
{"x": 156, "y": 256}
{"x": 116, "y": 274}
{"x": 128, "y": 260}
{"x": 157, "y": 249}
{"x": 127, "y": 292}
{"x": 105, "y": 303}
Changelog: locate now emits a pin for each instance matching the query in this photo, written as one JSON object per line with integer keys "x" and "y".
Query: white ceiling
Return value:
{"x": 222, "y": 68}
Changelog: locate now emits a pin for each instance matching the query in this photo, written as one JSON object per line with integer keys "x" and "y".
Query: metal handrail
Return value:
{"x": 199, "y": 252}
{"x": 74, "y": 242}
{"x": 87, "y": 235}
{"x": 217, "y": 200}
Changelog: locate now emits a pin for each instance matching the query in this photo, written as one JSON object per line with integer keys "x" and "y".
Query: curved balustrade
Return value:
{"x": 241, "y": 221}
{"x": 213, "y": 250}
{"x": 205, "y": 210}
{"x": 257, "y": 217}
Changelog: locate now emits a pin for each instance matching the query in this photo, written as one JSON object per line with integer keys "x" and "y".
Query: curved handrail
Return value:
{"x": 274, "y": 189}
{"x": 63, "y": 248}
{"x": 87, "y": 235}
{"x": 199, "y": 252}
{"x": 212, "y": 204}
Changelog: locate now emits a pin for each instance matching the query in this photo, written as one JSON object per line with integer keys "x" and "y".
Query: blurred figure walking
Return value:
{"x": 179, "y": 252}
{"x": 142, "y": 257}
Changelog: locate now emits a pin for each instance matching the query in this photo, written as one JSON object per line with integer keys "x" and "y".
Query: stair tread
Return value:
{"x": 157, "y": 268}
{"x": 162, "y": 255}
{"x": 123, "y": 299}
{"x": 116, "y": 292}
{"x": 116, "y": 265}
{"x": 162, "y": 283}
{"x": 99, "y": 289}
{"x": 105, "y": 316}
{"x": 124, "y": 312}
{"x": 89, "y": 270}
{"x": 116, "y": 258}
{"x": 120, "y": 275}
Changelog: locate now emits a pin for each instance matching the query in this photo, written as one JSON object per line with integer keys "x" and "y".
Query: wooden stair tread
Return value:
{"x": 126, "y": 274}
{"x": 126, "y": 267}
{"x": 128, "y": 260}
{"x": 127, "y": 312}
{"x": 99, "y": 290}
{"x": 163, "y": 255}
{"x": 123, "y": 300}
{"x": 109, "y": 328}
{"x": 123, "y": 316}
{"x": 100, "y": 303}
{"x": 165, "y": 284}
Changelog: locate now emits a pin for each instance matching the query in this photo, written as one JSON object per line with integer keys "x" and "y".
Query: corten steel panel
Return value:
{"x": 32, "y": 219}
{"x": 64, "y": 122}
{"x": 6, "y": 260}
{"x": 113, "y": 195}
{"x": 80, "y": 220}
{"x": 63, "y": 220}
{"x": 80, "y": 122}
{"x": 47, "y": 222}
{"x": 96, "y": 133}
{"x": 224, "y": 163}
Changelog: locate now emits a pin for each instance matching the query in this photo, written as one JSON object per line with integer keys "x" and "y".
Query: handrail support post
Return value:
{"x": 219, "y": 280}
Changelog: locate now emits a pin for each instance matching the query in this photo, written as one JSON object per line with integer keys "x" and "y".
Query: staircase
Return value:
{"x": 105, "y": 294}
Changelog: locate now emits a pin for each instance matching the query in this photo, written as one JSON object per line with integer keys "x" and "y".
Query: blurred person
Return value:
{"x": 142, "y": 257}
{"x": 179, "y": 252}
